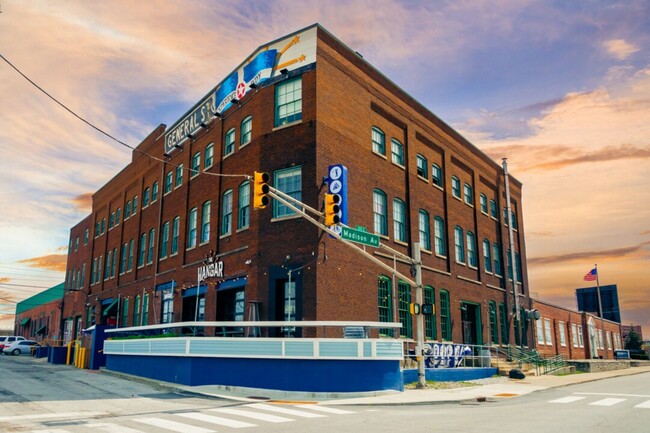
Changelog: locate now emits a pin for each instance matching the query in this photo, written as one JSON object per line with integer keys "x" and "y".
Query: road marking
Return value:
{"x": 285, "y": 411}
{"x": 211, "y": 419}
{"x": 644, "y": 405}
{"x": 113, "y": 428}
{"x": 325, "y": 409}
{"x": 612, "y": 394}
{"x": 607, "y": 402}
{"x": 51, "y": 415}
{"x": 567, "y": 400}
{"x": 56, "y": 430}
{"x": 254, "y": 415}
{"x": 172, "y": 425}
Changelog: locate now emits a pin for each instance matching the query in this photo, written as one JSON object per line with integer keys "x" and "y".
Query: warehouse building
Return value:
{"x": 293, "y": 108}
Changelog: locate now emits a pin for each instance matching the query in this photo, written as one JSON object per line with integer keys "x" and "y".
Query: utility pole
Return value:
{"x": 419, "y": 318}
{"x": 513, "y": 265}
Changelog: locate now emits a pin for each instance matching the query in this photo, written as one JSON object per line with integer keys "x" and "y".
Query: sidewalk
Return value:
{"x": 504, "y": 388}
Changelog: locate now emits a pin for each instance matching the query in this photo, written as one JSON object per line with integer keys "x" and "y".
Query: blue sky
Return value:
{"x": 560, "y": 88}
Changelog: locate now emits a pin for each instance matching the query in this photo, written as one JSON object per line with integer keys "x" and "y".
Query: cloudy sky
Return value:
{"x": 562, "y": 89}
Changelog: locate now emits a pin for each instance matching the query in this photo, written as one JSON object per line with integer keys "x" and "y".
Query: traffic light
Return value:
{"x": 428, "y": 309}
{"x": 415, "y": 309}
{"x": 332, "y": 209}
{"x": 261, "y": 190}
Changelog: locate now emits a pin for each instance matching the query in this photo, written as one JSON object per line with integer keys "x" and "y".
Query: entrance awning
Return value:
{"x": 110, "y": 307}
{"x": 233, "y": 283}
{"x": 192, "y": 291}
{"x": 41, "y": 330}
{"x": 25, "y": 321}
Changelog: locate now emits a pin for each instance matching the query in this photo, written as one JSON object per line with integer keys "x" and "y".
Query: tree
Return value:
{"x": 632, "y": 341}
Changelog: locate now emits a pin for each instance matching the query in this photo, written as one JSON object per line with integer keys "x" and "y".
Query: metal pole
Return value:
{"x": 198, "y": 285}
{"x": 419, "y": 318}
{"x": 517, "y": 316}
{"x": 600, "y": 311}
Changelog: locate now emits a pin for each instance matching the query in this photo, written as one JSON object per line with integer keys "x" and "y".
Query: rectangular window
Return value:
{"x": 229, "y": 146}
{"x": 399, "y": 220}
{"x": 380, "y": 212}
{"x": 191, "y": 228}
{"x": 547, "y": 332}
{"x": 169, "y": 178}
{"x": 209, "y": 156}
{"x": 493, "y": 209}
{"x": 145, "y": 197}
{"x": 445, "y": 319}
{"x": 179, "y": 175}
{"x": 152, "y": 238}
{"x": 114, "y": 263}
{"x": 167, "y": 315}
{"x": 226, "y": 213}
{"x": 539, "y": 327}
{"x": 145, "y": 309}
{"x": 143, "y": 249}
{"x": 136, "y": 311}
{"x": 378, "y": 141}
{"x": 131, "y": 251}
{"x": 404, "y": 293}
{"x": 468, "y": 194}
{"x": 289, "y": 181}
{"x": 562, "y": 334}
{"x": 581, "y": 340}
{"x": 397, "y": 150}
{"x": 455, "y": 186}
{"x": 425, "y": 234}
{"x": 574, "y": 334}
{"x": 175, "y": 234}
{"x": 422, "y": 167}
{"x": 429, "y": 319}
{"x": 107, "y": 272}
{"x": 439, "y": 235}
{"x": 246, "y": 131}
{"x": 288, "y": 102}
{"x": 244, "y": 205}
{"x": 205, "y": 222}
{"x": 125, "y": 312}
{"x": 436, "y": 175}
{"x": 472, "y": 260}
{"x": 154, "y": 194}
{"x": 127, "y": 210}
{"x": 135, "y": 205}
{"x": 459, "y": 244}
{"x": 503, "y": 322}
{"x": 484, "y": 203}
{"x": 196, "y": 165}
{"x": 164, "y": 241}
{"x": 496, "y": 252}
{"x": 385, "y": 302}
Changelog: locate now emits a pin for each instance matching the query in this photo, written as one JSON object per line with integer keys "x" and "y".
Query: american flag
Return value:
{"x": 591, "y": 275}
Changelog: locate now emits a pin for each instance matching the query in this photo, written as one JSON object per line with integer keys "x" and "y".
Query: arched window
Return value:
{"x": 378, "y": 141}
{"x": 399, "y": 220}
{"x": 459, "y": 242}
{"x": 379, "y": 209}
{"x": 422, "y": 167}
{"x": 471, "y": 250}
{"x": 439, "y": 236}
{"x": 424, "y": 228}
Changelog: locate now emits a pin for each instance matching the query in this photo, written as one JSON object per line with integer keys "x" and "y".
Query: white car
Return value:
{"x": 6, "y": 340}
{"x": 20, "y": 347}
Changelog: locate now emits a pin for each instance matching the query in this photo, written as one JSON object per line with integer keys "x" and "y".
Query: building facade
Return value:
{"x": 293, "y": 108}
{"x": 39, "y": 317}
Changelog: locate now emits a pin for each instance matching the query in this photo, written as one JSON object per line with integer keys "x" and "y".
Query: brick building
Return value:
{"x": 39, "y": 316}
{"x": 293, "y": 108}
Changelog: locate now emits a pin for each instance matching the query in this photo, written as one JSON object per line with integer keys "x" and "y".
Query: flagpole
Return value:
{"x": 600, "y": 311}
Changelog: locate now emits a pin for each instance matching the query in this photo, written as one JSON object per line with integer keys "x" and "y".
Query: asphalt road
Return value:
{"x": 39, "y": 397}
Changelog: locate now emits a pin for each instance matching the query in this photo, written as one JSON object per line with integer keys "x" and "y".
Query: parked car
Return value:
{"x": 6, "y": 340}
{"x": 20, "y": 347}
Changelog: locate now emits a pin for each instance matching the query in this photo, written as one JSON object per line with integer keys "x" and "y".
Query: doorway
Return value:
{"x": 471, "y": 323}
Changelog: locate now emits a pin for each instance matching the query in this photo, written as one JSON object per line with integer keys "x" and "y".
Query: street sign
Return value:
{"x": 359, "y": 237}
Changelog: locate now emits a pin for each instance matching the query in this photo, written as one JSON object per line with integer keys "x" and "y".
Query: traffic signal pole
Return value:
{"x": 415, "y": 261}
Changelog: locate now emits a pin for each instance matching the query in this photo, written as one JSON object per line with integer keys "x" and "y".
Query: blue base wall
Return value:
{"x": 278, "y": 374}
{"x": 450, "y": 374}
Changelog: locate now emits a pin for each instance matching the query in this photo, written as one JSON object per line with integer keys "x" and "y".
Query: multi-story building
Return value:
{"x": 293, "y": 108}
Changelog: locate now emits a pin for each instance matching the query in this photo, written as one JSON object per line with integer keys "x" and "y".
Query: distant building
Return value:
{"x": 626, "y": 329}
{"x": 588, "y": 301}
{"x": 39, "y": 316}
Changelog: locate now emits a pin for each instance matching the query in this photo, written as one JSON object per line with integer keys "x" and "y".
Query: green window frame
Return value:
{"x": 422, "y": 166}
{"x": 164, "y": 241}
{"x": 484, "y": 203}
{"x": 136, "y": 311}
{"x": 397, "y": 151}
{"x": 125, "y": 312}
{"x": 146, "y": 194}
{"x": 244, "y": 205}
{"x": 154, "y": 195}
{"x": 205, "y": 221}
{"x": 493, "y": 209}
{"x": 191, "y": 228}
{"x": 209, "y": 156}
{"x": 498, "y": 265}
{"x": 229, "y": 145}
{"x": 385, "y": 303}
{"x": 378, "y": 141}
{"x": 468, "y": 194}
{"x": 445, "y": 316}
{"x": 169, "y": 180}
{"x": 494, "y": 328}
{"x": 179, "y": 176}
{"x": 472, "y": 259}
{"x": 424, "y": 229}
{"x": 289, "y": 181}
{"x": 143, "y": 250}
{"x": 404, "y": 308}
{"x": 246, "y": 131}
{"x": 399, "y": 220}
{"x": 380, "y": 212}
{"x": 430, "y": 330}
{"x": 152, "y": 242}
{"x": 503, "y": 323}
{"x": 196, "y": 165}
{"x": 439, "y": 236}
{"x": 226, "y": 213}
{"x": 175, "y": 234}
{"x": 131, "y": 252}
{"x": 487, "y": 256}
{"x": 288, "y": 102}
{"x": 436, "y": 175}
{"x": 455, "y": 186}
{"x": 459, "y": 243}
{"x": 145, "y": 309}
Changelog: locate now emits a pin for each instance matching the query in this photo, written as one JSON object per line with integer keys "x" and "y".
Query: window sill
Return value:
{"x": 469, "y": 204}
{"x": 204, "y": 243}
{"x": 441, "y": 256}
{"x": 228, "y": 155}
{"x": 424, "y": 250}
{"x": 242, "y": 145}
{"x": 398, "y": 165}
{"x": 286, "y": 125}
{"x": 398, "y": 242}
{"x": 456, "y": 198}
{"x": 243, "y": 229}
{"x": 437, "y": 186}
{"x": 484, "y": 213}
{"x": 225, "y": 235}
{"x": 423, "y": 179}
{"x": 381, "y": 155}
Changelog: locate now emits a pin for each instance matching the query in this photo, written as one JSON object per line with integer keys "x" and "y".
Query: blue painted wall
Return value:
{"x": 278, "y": 374}
{"x": 449, "y": 374}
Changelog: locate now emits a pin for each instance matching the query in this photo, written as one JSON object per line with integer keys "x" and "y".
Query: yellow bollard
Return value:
{"x": 67, "y": 359}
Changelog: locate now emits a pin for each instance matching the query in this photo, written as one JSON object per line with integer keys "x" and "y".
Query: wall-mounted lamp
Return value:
{"x": 178, "y": 146}
{"x": 190, "y": 136}
{"x": 284, "y": 71}
{"x": 253, "y": 85}
{"x": 167, "y": 155}
{"x": 203, "y": 125}
{"x": 235, "y": 101}
{"x": 217, "y": 114}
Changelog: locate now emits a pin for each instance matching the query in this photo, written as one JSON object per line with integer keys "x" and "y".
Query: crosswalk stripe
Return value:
{"x": 253, "y": 415}
{"x": 173, "y": 425}
{"x": 113, "y": 428}
{"x": 325, "y": 409}
{"x": 211, "y": 419}
{"x": 644, "y": 405}
{"x": 567, "y": 399}
{"x": 51, "y": 415}
{"x": 56, "y": 430}
{"x": 607, "y": 402}
{"x": 285, "y": 411}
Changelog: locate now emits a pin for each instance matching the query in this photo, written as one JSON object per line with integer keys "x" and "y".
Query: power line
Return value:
{"x": 28, "y": 269}
{"x": 26, "y": 285}
{"x": 101, "y": 131}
